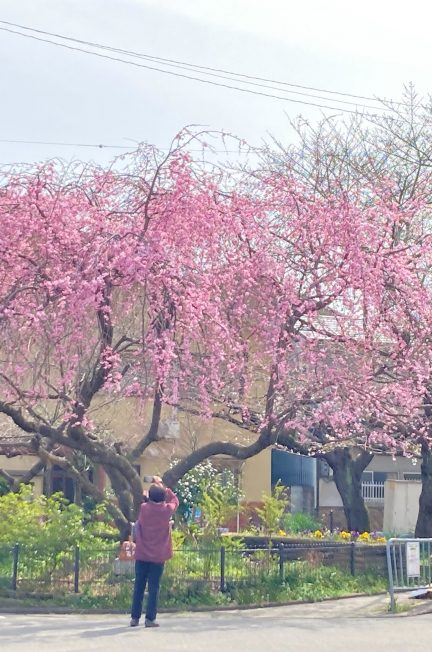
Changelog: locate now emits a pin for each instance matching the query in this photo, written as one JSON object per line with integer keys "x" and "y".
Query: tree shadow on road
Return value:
{"x": 185, "y": 625}
{"x": 111, "y": 631}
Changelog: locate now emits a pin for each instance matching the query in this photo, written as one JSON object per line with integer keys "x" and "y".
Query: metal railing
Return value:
{"x": 409, "y": 565}
{"x": 101, "y": 573}
{"x": 373, "y": 492}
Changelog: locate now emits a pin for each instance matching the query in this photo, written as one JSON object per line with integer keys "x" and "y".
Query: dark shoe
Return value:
{"x": 134, "y": 622}
{"x": 151, "y": 623}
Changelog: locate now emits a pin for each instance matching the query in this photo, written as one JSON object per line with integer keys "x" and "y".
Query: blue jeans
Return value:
{"x": 151, "y": 573}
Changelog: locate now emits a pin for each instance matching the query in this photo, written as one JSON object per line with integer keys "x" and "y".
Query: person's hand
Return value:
{"x": 157, "y": 480}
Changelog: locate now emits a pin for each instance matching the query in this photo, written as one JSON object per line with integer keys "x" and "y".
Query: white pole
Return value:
{"x": 238, "y": 498}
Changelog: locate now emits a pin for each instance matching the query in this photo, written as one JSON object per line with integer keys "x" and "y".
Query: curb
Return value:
{"x": 22, "y": 609}
{"x": 421, "y": 610}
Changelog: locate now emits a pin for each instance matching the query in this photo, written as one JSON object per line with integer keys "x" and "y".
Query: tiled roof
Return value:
{"x": 11, "y": 445}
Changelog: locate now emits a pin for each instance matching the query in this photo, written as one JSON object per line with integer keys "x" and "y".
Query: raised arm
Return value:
{"x": 171, "y": 500}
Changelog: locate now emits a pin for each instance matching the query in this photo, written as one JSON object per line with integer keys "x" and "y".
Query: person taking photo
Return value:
{"x": 153, "y": 549}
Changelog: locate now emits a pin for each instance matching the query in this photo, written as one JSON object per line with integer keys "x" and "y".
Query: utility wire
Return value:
{"x": 44, "y": 142}
{"x": 175, "y": 74}
{"x": 127, "y": 147}
{"x": 192, "y": 65}
{"x": 212, "y": 72}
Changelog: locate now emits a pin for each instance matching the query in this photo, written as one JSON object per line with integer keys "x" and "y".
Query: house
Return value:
{"x": 310, "y": 482}
{"x": 179, "y": 434}
{"x": 17, "y": 458}
{"x": 312, "y": 488}
{"x": 381, "y": 470}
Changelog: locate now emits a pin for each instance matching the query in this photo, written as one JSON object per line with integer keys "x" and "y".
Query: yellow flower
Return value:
{"x": 346, "y": 536}
{"x": 282, "y": 533}
{"x": 318, "y": 534}
{"x": 364, "y": 536}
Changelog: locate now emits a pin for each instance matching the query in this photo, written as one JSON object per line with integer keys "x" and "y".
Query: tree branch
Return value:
{"x": 50, "y": 458}
{"x": 239, "y": 452}
{"x": 44, "y": 429}
{"x": 251, "y": 426}
{"x": 78, "y": 441}
{"x": 151, "y": 435}
{"x": 9, "y": 478}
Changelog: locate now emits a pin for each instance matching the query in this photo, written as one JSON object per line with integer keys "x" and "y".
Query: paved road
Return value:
{"x": 352, "y": 625}
{"x": 326, "y": 628}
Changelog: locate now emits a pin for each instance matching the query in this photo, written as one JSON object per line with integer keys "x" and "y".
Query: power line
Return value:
{"x": 62, "y": 144}
{"x": 192, "y": 65}
{"x": 127, "y": 147}
{"x": 175, "y": 74}
{"x": 213, "y": 72}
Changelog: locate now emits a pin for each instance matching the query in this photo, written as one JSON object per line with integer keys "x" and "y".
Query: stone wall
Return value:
{"x": 376, "y": 517}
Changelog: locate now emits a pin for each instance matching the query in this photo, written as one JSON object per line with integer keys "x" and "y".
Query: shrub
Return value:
{"x": 205, "y": 480}
{"x": 49, "y": 523}
{"x": 272, "y": 510}
{"x": 216, "y": 509}
{"x": 300, "y": 522}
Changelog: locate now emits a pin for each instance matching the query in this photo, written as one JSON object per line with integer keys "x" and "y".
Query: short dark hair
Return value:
{"x": 156, "y": 494}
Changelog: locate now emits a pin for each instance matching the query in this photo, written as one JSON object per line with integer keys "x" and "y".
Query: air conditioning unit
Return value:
{"x": 169, "y": 429}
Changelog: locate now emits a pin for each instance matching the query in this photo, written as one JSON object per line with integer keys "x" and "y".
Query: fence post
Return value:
{"x": 222, "y": 569}
{"x": 331, "y": 522}
{"x": 76, "y": 569}
{"x": 352, "y": 558}
{"x": 281, "y": 563}
{"x": 390, "y": 576}
{"x": 15, "y": 557}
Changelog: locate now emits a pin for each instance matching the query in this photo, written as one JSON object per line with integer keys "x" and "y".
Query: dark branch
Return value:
{"x": 239, "y": 452}
{"x": 50, "y": 458}
{"x": 152, "y": 432}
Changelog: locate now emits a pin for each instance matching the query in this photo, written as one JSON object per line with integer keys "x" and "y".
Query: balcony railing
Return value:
{"x": 373, "y": 492}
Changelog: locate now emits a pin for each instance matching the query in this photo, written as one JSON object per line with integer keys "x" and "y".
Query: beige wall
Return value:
{"x": 19, "y": 465}
{"x": 128, "y": 420}
{"x": 38, "y": 485}
{"x": 256, "y": 476}
{"x": 401, "y": 506}
{"x": 329, "y": 496}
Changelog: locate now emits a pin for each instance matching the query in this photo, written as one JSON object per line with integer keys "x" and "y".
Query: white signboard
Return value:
{"x": 413, "y": 558}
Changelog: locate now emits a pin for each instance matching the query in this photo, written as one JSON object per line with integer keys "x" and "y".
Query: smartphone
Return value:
{"x": 148, "y": 478}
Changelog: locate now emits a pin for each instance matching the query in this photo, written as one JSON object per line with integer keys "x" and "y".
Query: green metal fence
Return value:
{"x": 27, "y": 570}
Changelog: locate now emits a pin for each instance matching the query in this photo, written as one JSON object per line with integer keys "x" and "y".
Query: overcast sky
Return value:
{"x": 369, "y": 48}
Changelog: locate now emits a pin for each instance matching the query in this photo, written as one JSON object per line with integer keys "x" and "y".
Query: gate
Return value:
{"x": 409, "y": 565}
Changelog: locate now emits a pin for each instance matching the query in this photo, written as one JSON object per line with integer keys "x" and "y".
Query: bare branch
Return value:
{"x": 50, "y": 458}
{"x": 239, "y": 452}
{"x": 151, "y": 434}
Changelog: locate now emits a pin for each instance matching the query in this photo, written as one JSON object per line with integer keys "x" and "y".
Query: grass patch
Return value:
{"x": 301, "y": 583}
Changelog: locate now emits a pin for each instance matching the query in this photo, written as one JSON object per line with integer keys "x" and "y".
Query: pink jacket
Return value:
{"x": 153, "y": 530}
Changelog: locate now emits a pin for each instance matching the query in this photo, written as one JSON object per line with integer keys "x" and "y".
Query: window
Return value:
{"x": 62, "y": 482}
{"x": 412, "y": 476}
{"x": 374, "y": 476}
{"x": 379, "y": 476}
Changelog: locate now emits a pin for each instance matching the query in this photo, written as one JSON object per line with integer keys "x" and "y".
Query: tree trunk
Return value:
{"x": 348, "y": 465}
{"x": 424, "y": 520}
{"x": 123, "y": 491}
